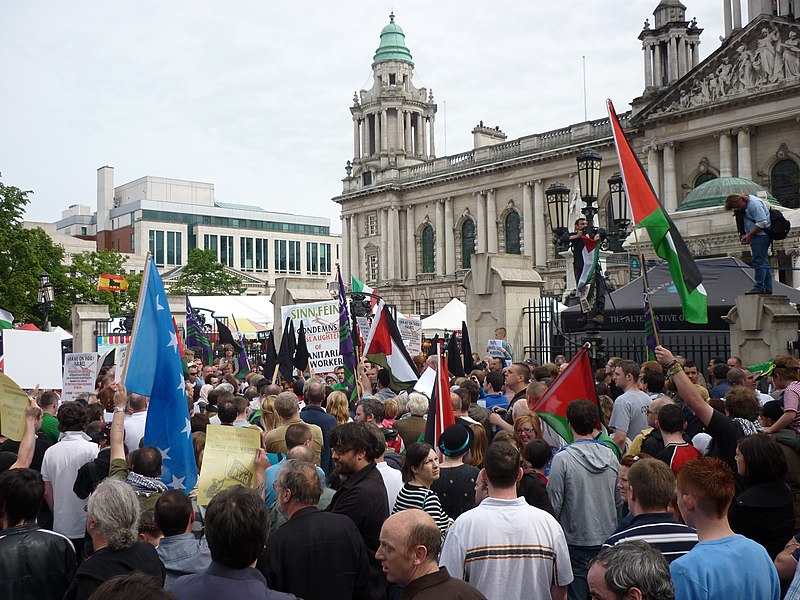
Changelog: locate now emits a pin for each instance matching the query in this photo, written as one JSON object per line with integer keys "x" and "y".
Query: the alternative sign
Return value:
{"x": 13, "y": 402}
{"x": 80, "y": 373}
{"x": 228, "y": 460}
{"x": 321, "y": 322}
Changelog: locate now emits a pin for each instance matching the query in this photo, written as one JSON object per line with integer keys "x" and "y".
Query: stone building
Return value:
{"x": 412, "y": 221}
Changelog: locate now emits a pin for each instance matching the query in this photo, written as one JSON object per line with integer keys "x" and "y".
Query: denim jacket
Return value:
{"x": 183, "y": 554}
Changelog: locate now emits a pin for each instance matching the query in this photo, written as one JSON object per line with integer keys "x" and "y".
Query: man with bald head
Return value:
{"x": 410, "y": 542}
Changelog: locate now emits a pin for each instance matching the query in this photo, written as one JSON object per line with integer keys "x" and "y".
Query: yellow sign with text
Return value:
{"x": 13, "y": 402}
{"x": 227, "y": 460}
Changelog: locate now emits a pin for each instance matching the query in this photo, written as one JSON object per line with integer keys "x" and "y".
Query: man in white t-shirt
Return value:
{"x": 629, "y": 416}
{"x": 60, "y": 468}
{"x": 505, "y": 547}
{"x": 135, "y": 421}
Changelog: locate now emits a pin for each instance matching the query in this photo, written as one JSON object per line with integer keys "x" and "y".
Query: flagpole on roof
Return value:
{"x": 137, "y": 318}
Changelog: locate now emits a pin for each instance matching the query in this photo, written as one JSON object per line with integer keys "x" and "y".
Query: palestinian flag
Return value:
{"x": 359, "y": 287}
{"x": 590, "y": 255}
{"x": 112, "y": 283}
{"x": 6, "y": 319}
{"x": 576, "y": 382}
{"x": 385, "y": 347}
{"x": 440, "y": 409}
{"x": 647, "y": 212}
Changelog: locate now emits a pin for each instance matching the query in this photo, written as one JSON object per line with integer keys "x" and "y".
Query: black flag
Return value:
{"x": 301, "y": 355}
{"x": 454, "y": 357}
{"x": 271, "y": 358}
{"x": 466, "y": 349}
{"x": 286, "y": 353}
{"x": 226, "y": 337}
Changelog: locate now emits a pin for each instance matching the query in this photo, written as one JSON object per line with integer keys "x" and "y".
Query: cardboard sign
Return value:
{"x": 495, "y": 348}
{"x": 33, "y": 358}
{"x": 80, "y": 373}
{"x": 321, "y": 322}
{"x": 13, "y": 402}
{"x": 411, "y": 332}
{"x": 228, "y": 460}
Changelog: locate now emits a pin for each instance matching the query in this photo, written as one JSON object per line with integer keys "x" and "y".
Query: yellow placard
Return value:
{"x": 227, "y": 460}
{"x": 13, "y": 402}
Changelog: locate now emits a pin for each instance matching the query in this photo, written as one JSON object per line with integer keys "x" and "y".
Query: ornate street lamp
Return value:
{"x": 557, "y": 196}
{"x": 619, "y": 204}
{"x": 589, "y": 180}
{"x": 45, "y": 303}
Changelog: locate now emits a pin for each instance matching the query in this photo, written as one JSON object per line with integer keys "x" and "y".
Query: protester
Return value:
{"x": 420, "y": 470}
{"x": 329, "y": 543}
{"x": 751, "y": 229}
{"x": 289, "y": 411}
{"x": 337, "y": 406}
{"x": 533, "y": 485}
{"x": 456, "y": 480}
{"x": 677, "y": 451}
{"x": 135, "y": 420}
{"x": 48, "y": 402}
{"x": 179, "y": 550}
{"x": 412, "y": 427}
{"x": 133, "y": 586}
{"x": 632, "y": 569}
{"x": 410, "y": 542}
{"x": 314, "y": 414}
{"x": 629, "y": 417}
{"x": 392, "y": 478}
{"x": 112, "y": 518}
{"x": 297, "y": 434}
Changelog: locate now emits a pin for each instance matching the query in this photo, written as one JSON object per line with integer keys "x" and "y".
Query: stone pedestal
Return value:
{"x": 761, "y": 327}
{"x": 498, "y": 287}
{"x": 84, "y": 319}
{"x": 296, "y": 290}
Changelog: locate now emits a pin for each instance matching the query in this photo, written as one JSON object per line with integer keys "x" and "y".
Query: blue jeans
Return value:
{"x": 759, "y": 247}
{"x": 579, "y": 557}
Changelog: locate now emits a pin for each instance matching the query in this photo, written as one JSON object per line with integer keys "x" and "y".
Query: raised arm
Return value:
{"x": 28, "y": 442}
{"x": 117, "y": 435}
{"x": 686, "y": 389}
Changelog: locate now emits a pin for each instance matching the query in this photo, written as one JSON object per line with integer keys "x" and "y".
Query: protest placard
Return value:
{"x": 13, "y": 402}
{"x": 80, "y": 373}
{"x": 495, "y": 348}
{"x": 321, "y": 322}
{"x": 411, "y": 332}
{"x": 33, "y": 358}
{"x": 227, "y": 460}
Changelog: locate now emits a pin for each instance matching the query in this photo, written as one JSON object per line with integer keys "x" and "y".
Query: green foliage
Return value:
{"x": 204, "y": 275}
{"x": 24, "y": 255}
{"x": 85, "y": 272}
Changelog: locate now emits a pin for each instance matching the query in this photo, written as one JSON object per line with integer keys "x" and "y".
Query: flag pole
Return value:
{"x": 137, "y": 317}
{"x": 646, "y": 283}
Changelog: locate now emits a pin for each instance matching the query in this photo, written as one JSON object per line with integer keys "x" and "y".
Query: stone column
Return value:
{"x": 424, "y": 136}
{"x": 745, "y": 160}
{"x": 673, "y": 59}
{"x": 491, "y": 222}
{"x": 345, "y": 247}
{"x": 725, "y": 154}
{"x": 364, "y": 137}
{"x": 411, "y": 247}
{"x": 440, "y": 235}
{"x": 726, "y": 14}
{"x": 658, "y": 75}
{"x": 433, "y": 130}
{"x": 382, "y": 265}
{"x": 356, "y": 139}
{"x": 670, "y": 197}
{"x": 376, "y": 137}
{"x": 392, "y": 254}
{"x": 449, "y": 239}
{"x": 527, "y": 219}
{"x": 654, "y": 168}
{"x": 355, "y": 258}
{"x": 696, "y": 53}
{"x": 681, "y": 56}
{"x": 401, "y": 133}
{"x": 384, "y": 131}
{"x": 648, "y": 64}
{"x": 540, "y": 231}
{"x": 480, "y": 223}
{"x": 419, "y": 146}
{"x": 408, "y": 131}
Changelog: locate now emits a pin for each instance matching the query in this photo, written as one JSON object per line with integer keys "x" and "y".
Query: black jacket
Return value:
{"x": 35, "y": 564}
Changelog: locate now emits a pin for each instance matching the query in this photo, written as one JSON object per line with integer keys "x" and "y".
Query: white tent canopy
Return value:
{"x": 448, "y": 318}
{"x": 255, "y": 308}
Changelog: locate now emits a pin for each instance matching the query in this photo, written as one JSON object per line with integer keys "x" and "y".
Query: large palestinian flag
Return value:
{"x": 590, "y": 255}
{"x": 384, "y": 347}
{"x": 647, "y": 212}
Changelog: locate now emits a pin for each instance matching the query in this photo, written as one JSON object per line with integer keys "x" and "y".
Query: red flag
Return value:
{"x": 440, "y": 411}
{"x": 576, "y": 382}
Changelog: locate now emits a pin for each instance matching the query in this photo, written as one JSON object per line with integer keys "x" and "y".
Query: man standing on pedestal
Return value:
{"x": 585, "y": 242}
{"x": 752, "y": 218}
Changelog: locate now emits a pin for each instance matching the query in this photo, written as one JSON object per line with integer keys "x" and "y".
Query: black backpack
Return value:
{"x": 779, "y": 226}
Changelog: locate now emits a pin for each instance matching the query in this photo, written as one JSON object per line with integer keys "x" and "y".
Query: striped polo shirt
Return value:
{"x": 659, "y": 530}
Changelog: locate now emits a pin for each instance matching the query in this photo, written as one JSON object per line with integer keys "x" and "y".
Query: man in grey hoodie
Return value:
{"x": 583, "y": 491}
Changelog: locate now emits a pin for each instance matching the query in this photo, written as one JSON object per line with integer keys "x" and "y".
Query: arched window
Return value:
{"x": 428, "y": 264}
{"x": 701, "y": 179}
{"x": 467, "y": 243}
{"x": 785, "y": 179}
{"x": 512, "y": 233}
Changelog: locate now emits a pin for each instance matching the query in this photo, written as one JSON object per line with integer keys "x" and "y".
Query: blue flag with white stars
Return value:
{"x": 155, "y": 370}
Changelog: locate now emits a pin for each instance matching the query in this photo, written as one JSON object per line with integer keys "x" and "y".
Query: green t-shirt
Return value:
{"x": 50, "y": 427}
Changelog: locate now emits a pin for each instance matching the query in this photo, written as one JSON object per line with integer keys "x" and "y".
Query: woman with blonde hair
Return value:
{"x": 337, "y": 406}
{"x": 526, "y": 428}
{"x": 478, "y": 450}
{"x": 269, "y": 418}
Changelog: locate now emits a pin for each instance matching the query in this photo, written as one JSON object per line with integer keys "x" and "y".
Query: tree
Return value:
{"x": 204, "y": 275}
{"x": 24, "y": 254}
{"x": 85, "y": 273}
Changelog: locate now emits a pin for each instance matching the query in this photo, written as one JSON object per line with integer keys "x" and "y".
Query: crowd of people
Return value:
{"x": 676, "y": 482}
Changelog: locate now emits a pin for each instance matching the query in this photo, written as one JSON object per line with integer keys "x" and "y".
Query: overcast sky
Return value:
{"x": 253, "y": 96}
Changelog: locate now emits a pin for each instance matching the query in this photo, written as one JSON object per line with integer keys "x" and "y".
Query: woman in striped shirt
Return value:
{"x": 420, "y": 470}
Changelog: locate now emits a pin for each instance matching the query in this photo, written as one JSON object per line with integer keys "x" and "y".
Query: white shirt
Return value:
{"x": 60, "y": 467}
{"x": 134, "y": 429}
{"x": 392, "y": 479}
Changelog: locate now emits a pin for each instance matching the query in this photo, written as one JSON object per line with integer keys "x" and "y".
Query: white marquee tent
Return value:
{"x": 448, "y": 319}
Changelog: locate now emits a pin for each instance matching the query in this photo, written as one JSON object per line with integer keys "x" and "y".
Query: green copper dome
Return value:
{"x": 714, "y": 192}
{"x": 393, "y": 44}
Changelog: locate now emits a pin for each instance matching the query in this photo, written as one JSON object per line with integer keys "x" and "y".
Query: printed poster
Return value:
{"x": 227, "y": 460}
{"x": 321, "y": 322}
{"x": 411, "y": 332}
{"x": 80, "y": 373}
{"x": 13, "y": 402}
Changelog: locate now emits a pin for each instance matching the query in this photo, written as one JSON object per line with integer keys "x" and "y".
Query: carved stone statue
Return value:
{"x": 791, "y": 56}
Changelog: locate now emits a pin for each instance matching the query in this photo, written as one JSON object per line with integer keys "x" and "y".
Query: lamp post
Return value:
{"x": 45, "y": 303}
{"x": 557, "y": 196}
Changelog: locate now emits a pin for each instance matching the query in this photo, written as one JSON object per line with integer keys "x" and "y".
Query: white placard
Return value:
{"x": 33, "y": 358}
{"x": 411, "y": 332}
{"x": 80, "y": 373}
{"x": 495, "y": 348}
{"x": 122, "y": 357}
{"x": 321, "y": 322}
